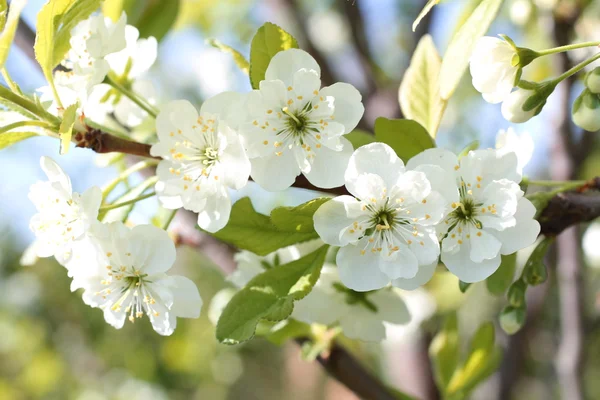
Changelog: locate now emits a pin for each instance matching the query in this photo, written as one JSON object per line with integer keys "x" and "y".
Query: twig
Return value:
{"x": 102, "y": 142}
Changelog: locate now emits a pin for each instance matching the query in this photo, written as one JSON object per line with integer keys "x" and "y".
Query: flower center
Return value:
{"x": 210, "y": 156}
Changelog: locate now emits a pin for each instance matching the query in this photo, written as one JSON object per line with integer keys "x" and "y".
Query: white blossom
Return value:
{"x": 507, "y": 141}
{"x": 492, "y": 68}
{"x": 360, "y": 315}
{"x": 64, "y": 217}
{"x": 512, "y": 106}
{"x": 127, "y": 278}
{"x": 387, "y": 230}
{"x": 487, "y": 215}
{"x": 203, "y": 157}
{"x": 586, "y": 111}
{"x": 296, "y": 127}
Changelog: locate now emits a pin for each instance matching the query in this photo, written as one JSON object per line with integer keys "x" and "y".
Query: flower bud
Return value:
{"x": 592, "y": 81}
{"x": 516, "y": 294}
{"x": 586, "y": 111}
{"x": 527, "y": 101}
{"x": 512, "y": 319}
{"x": 535, "y": 271}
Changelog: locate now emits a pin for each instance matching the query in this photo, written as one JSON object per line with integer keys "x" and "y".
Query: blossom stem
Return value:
{"x": 133, "y": 97}
{"x": 126, "y": 203}
{"x": 125, "y": 174}
{"x": 553, "y": 183}
{"x": 169, "y": 219}
{"x": 19, "y": 124}
{"x": 567, "y": 48}
{"x": 576, "y": 69}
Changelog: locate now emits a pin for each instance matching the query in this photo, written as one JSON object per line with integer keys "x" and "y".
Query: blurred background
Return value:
{"x": 52, "y": 346}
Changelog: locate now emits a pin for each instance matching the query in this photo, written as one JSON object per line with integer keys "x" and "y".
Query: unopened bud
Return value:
{"x": 527, "y": 101}
{"x": 512, "y": 319}
{"x": 463, "y": 286}
{"x": 535, "y": 271}
{"x": 592, "y": 81}
{"x": 586, "y": 111}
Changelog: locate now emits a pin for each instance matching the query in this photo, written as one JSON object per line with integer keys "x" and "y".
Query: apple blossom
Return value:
{"x": 360, "y": 315}
{"x": 127, "y": 278}
{"x": 64, "y": 217}
{"x": 507, "y": 141}
{"x": 296, "y": 127}
{"x": 202, "y": 156}
{"x": 487, "y": 215}
{"x": 492, "y": 68}
{"x": 387, "y": 230}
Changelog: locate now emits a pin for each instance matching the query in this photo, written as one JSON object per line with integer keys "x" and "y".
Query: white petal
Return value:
{"x": 235, "y": 162}
{"x": 425, "y": 246}
{"x": 178, "y": 114}
{"x": 306, "y": 82}
{"x": 461, "y": 265}
{"x": 187, "y": 302}
{"x": 327, "y": 169}
{"x": 360, "y": 272}
{"x": 441, "y": 181}
{"x": 423, "y": 276}
{"x": 334, "y": 217}
{"x": 484, "y": 245}
{"x": 524, "y": 233}
{"x": 374, "y": 158}
{"x": 348, "y": 104}
{"x": 404, "y": 263}
{"x": 390, "y": 306}
{"x": 55, "y": 173}
{"x": 156, "y": 245}
{"x": 508, "y": 141}
{"x": 227, "y": 105}
{"x": 444, "y": 159}
{"x": 215, "y": 213}
{"x": 286, "y": 63}
{"x": 275, "y": 173}
{"x": 91, "y": 200}
{"x": 363, "y": 324}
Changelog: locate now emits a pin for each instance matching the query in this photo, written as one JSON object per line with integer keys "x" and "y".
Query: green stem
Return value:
{"x": 126, "y": 203}
{"x": 125, "y": 174}
{"x": 576, "y": 68}
{"x": 28, "y": 105}
{"x": 567, "y": 48}
{"x": 11, "y": 84}
{"x": 133, "y": 97}
{"x": 169, "y": 219}
{"x": 105, "y": 128}
{"x": 554, "y": 183}
{"x": 19, "y": 124}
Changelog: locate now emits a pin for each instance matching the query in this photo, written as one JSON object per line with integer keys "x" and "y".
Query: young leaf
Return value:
{"x": 152, "y": 17}
{"x": 297, "y": 219}
{"x": 48, "y": 20}
{"x": 444, "y": 351}
{"x": 269, "y": 296}
{"x": 81, "y": 10}
{"x": 113, "y": 8}
{"x": 3, "y": 12}
{"x": 239, "y": 59}
{"x": 419, "y": 92}
{"x": 460, "y": 48}
{"x": 407, "y": 137}
{"x": 424, "y": 12}
{"x": 359, "y": 138}
{"x": 503, "y": 277}
{"x": 66, "y": 127}
{"x": 9, "y": 138}
{"x": 255, "y": 232}
{"x": 269, "y": 40}
{"x": 10, "y": 27}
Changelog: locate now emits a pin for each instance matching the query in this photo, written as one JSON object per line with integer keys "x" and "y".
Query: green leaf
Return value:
{"x": 444, "y": 351}
{"x": 407, "y": 137}
{"x": 113, "y": 9}
{"x": 424, "y": 12}
{"x": 9, "y": 26}
{"x": 3, "y": 12}
{"x": 419, "y": 93}
{"x": 9, "y": 138}
{"x": 66, "y": 127}
{"x": 482, "y": 361}
{"x": 462, "y": 44}
{"x": 151, "y": 17}
{"x": 269, "y": 296}
{"x": 269, "y": 40}
{"x": 48, "y": 21}
{"x": 359, "y": 138}
{"x": 503, "y": 277}
{"x": 239, "y": 59}
{"x": 81, "y": 10}
{"x": 255, "y": 232}
{"x": 297, "y": 219}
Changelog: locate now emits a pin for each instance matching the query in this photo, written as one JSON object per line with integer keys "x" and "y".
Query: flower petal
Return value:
{"x": 390, "y": 306}
{"x": 348, "y": 104}
{"x": 333, "y": 219}
{"x": 215, "y": 213}
{"x": 460, "y": 264}
{"x": 423, "y": 276}
{"x": 327, "y": 169}
{"x": 187, "y": 302}
{"x": 360, "y": 272}
{"x": 55, "y": 173}
{"x": 275, "y": 173}
{"x": 375, "y": 158}
{"x": 285, "y": 64}
{"x": 524, "y": 233}
{"x": 154, "y": 248}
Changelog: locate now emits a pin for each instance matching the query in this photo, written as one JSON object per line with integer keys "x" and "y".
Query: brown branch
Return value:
{"x": 102, "y": 142}
{"x": 340, "y": 364}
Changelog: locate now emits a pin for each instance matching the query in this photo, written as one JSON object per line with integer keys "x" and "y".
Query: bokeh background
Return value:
{"x": 52, "y": 346}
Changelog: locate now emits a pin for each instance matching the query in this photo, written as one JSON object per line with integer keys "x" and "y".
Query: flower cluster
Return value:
{"x": 121, "y": 270}
{"x": 391, "y": 227}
